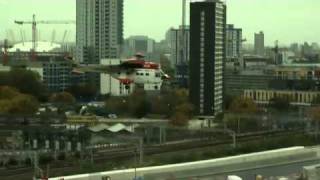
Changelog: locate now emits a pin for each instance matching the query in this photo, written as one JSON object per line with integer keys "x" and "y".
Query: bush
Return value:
{"x": 45, "y": 159}
{"x": 61, "y": 156}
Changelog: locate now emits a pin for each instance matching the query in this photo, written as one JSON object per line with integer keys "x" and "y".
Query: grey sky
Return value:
{"x": 285, "y": 20}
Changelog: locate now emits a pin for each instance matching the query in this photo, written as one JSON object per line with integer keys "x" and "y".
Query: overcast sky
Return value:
{"x": 285, "y": 20}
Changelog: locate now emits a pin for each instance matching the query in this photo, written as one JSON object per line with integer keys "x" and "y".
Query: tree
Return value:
{"x": 83, "y": 91}
{"x": 280, "y": 104}
{"x": 242, "y": 107}
{"x": 62, "y": 98}
{"x": 186, "y": 109}
{"x": 181, "y": 110}
{"x": 24, "y": 105}
{"x": 138, "y": 104}
{"x": 166, "y": 66}
{"x": 316, "y": 101}
{"x": 7, "y": 92}
{"x": 26, "y": 81}
{"x": 179, "y": 119}
{"x": 14, "y": 102}
{"x": 314, "y": 114}
{"x": 117, "y": 105}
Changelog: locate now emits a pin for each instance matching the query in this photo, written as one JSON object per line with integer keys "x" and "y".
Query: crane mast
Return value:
{"x": 34, "y": 24}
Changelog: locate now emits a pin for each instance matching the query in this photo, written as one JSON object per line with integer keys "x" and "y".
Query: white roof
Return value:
{"x": 115, "y": 128}
{"x": 234, "y": 178}
{"x": 119, "y": 127}
{"x": 42, "y": 46}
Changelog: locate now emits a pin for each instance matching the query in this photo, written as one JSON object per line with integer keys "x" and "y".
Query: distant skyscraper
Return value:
{"x": 141, "y": 44}
{"x": 174, "y": 37}
{"x": 259, "y": 44}
{"x": 99, "y": 30}
{"x": 99, "y": 33}
{"x": 207, "y": 55}
{"x": 234, "y": 41}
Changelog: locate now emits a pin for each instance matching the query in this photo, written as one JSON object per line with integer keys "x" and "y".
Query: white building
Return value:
{"x": 145, "y": 78}
{"x": 110, "y": 85}
{"x": 99, "y": 30}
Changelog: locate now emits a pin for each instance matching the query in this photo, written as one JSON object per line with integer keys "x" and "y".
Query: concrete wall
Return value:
{"x": 266, "y": 158}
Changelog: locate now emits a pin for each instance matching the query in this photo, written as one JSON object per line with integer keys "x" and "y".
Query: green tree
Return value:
{"x": 7, "y": 92}
{"x": 117, "y": 105}
{"x": 138, "y": 104}
{"x": 26, "y": 81}
{"x": 179, "y": 119}
{"x": 83, "y": 91}
{"x": 166, "y": 66}
{"x": 62, "y": 98}
{"x": 24, "y": 105}
{"x": 280, "y": 104}
{"x": 14, "y": 102}
{"x": 240, "y": 108}
{"x": 316, "y": 101}
{"x": 314, "y": 114}
{"x": 181, "y": 108}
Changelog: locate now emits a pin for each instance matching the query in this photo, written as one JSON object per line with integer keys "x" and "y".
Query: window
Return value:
{"x": 147, "y": 74}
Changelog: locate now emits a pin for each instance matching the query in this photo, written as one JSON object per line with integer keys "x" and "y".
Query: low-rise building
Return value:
{"x": 264, "y": 96}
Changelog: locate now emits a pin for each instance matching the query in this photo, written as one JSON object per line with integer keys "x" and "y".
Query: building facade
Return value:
{"x": 301, "y": 98}
{"x": 207, "y": 56}
{"x": 237, "y": 82}
{"x": 174, "y": 37}
{"x": 99, "y": 33}
{"x": 259, "y": 44}
{"x": 234, "y": 41}
{"x": 99, "y": 30}
{"x": 179, "y": 45}
{"x": 139, "y": 44}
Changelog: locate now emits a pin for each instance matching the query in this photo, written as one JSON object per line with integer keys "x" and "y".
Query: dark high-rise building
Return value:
{"x": 207, "y": 56}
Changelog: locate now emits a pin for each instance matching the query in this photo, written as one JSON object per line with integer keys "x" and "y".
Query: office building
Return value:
{"x": 234, "y": 41}
{"x": 259, "y": 44}
{"x": 139, "y": 44}
{"x": 99, "y": 33}
{"x": 207, "y": 56}
{"x": 99, "y": 30}
{"x": 178, "y": 41}
{"x": 174, "y": 37}
{"x": 237, "y": 82}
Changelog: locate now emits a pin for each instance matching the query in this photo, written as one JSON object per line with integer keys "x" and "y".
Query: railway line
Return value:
{"x": 128, "y": 152}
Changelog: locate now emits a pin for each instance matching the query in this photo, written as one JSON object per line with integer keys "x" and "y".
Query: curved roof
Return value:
{"x": 114, "y": 129}
{"x": 42, "y": 46}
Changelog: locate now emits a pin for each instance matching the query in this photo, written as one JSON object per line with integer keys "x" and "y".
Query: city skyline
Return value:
{"x": 286, "y": 21}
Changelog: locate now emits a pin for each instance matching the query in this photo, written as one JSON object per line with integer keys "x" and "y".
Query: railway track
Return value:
{"x": 125, "y": 153}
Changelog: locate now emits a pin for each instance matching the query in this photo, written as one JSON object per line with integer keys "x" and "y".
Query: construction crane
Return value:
{"x": 34, "y": 27}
